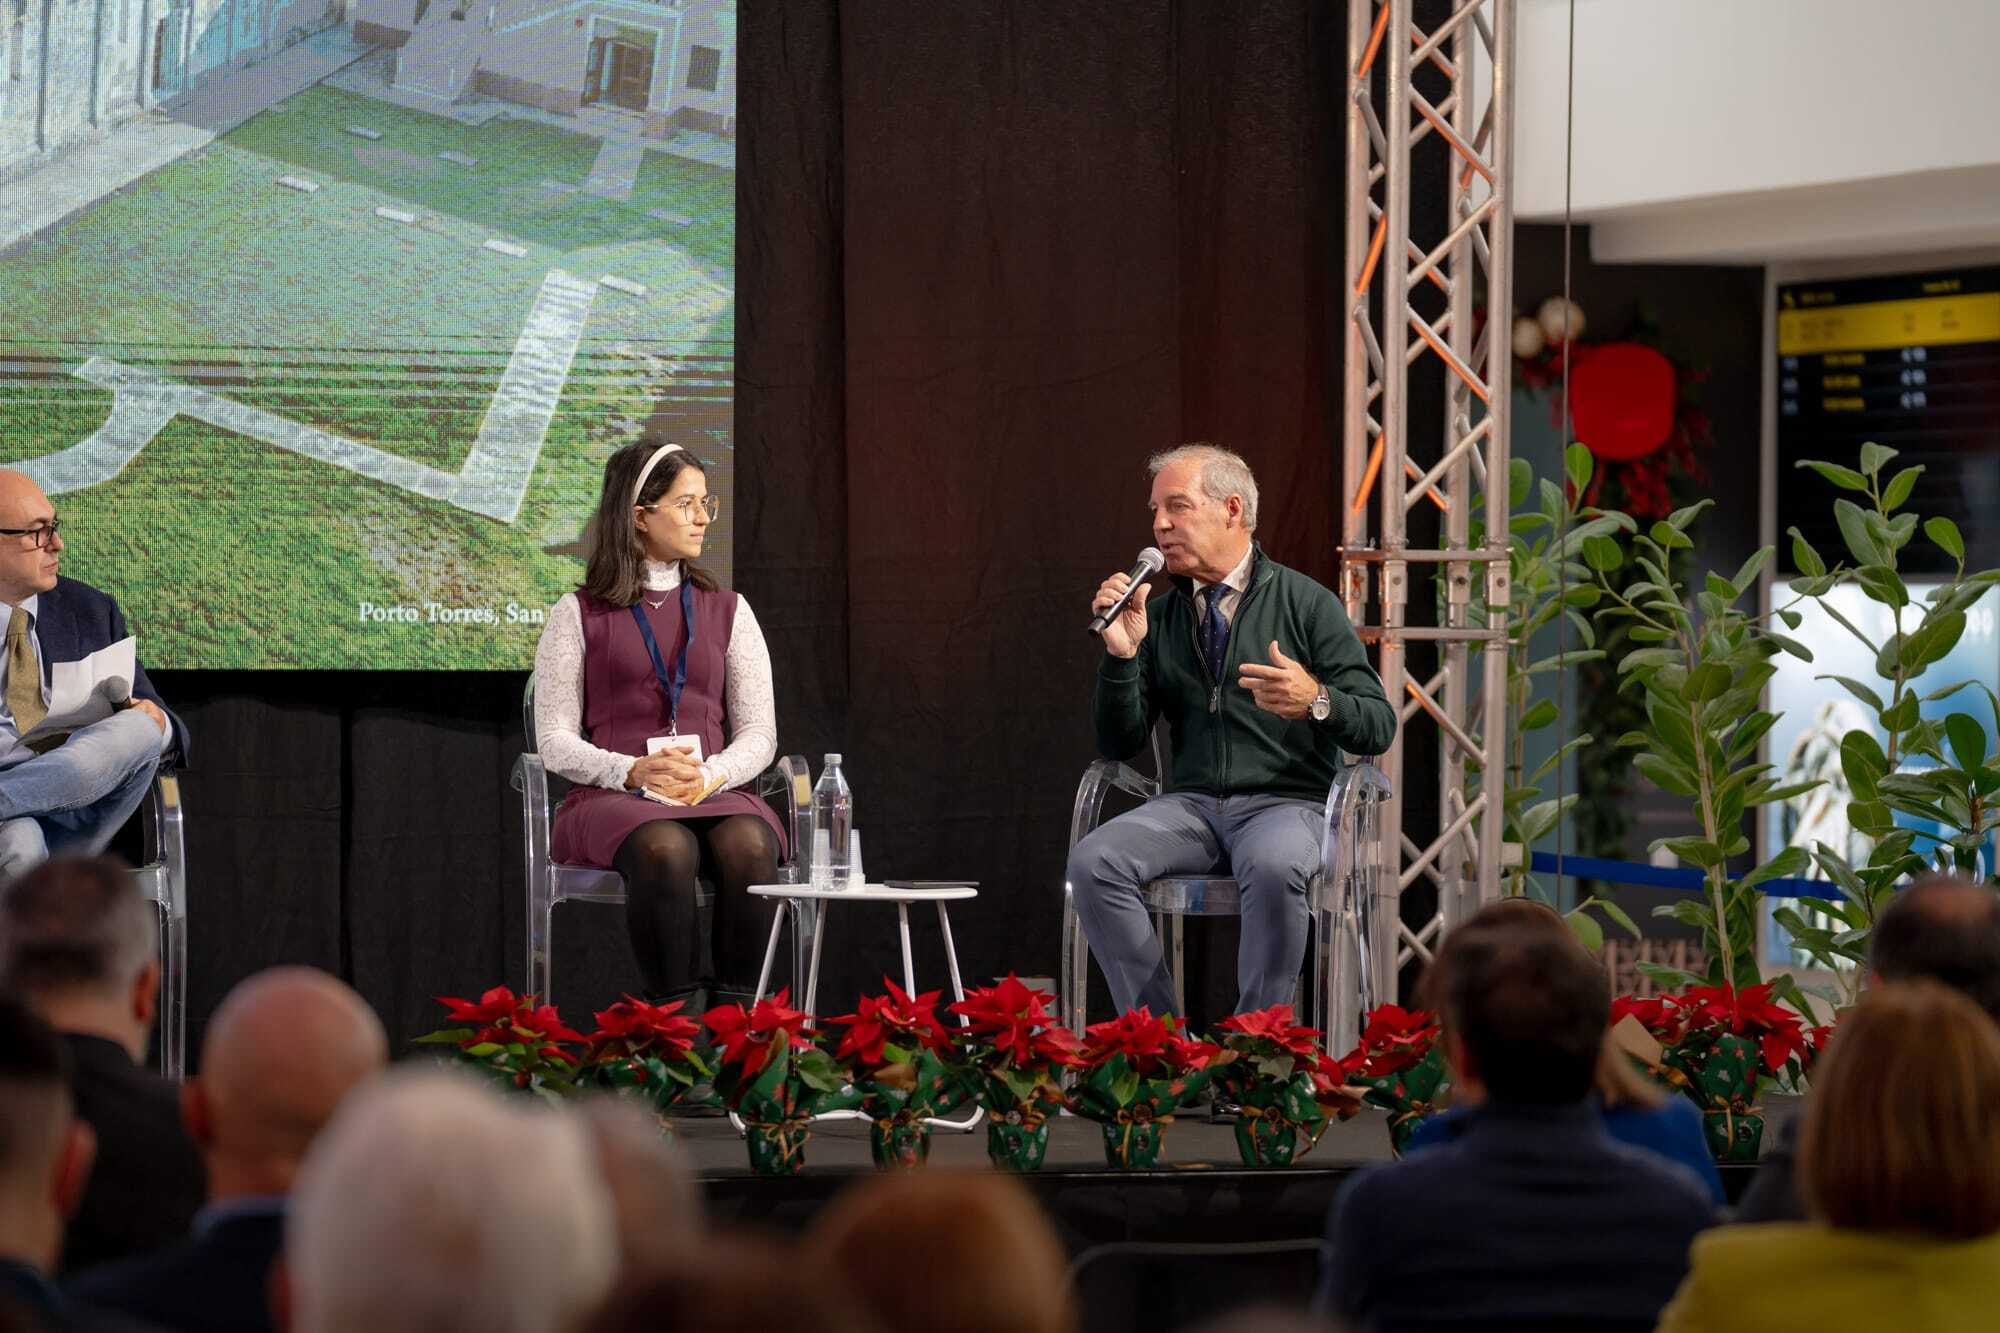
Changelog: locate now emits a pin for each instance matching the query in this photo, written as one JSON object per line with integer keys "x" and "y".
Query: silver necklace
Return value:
{"x": 655, "y": 605}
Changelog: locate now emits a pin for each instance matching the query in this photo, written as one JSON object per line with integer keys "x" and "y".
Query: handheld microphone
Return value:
{"x": 1149, "y": 563}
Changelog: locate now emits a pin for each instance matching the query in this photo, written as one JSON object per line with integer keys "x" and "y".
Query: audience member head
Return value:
{"x": 736, "y": 1284}
{"x": 45, "y": 1151}
{"x": 76, "y": 942}
{"x": 992, "y": 1263}
{"x": 654, "y": 1198}
{"x": 1904, "y": 1116}
{"x": 1945, "y": 929}
{"x": 283, "y": 1049}
{"x": 1616, "y": 1082}
{"x": 1269, "y": 1319}
{"x": 1524, "y": 1009}
{"x": 433, "y": 1203}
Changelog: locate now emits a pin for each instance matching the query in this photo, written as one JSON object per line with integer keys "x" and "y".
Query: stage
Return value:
{"x": 1152, "y": 1250}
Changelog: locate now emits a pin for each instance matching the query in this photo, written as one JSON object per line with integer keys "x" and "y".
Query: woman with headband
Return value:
{"x": 653, "y": 695}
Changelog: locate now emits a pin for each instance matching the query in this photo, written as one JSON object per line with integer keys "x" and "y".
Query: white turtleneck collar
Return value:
{"x": 661, "y": 575}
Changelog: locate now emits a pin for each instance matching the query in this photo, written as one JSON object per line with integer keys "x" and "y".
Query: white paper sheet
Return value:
{"x": 89, "y": 690}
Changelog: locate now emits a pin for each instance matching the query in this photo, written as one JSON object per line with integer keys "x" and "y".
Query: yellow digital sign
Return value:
{"x": 1925, "y": 321}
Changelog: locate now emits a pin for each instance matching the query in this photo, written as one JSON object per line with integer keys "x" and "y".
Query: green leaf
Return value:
{"x": 1706, "y": 682}
{"x": 1788, "y": 864}
{"x": 1541, "y": 715}
{"x": 1900, "y": 716}
{"x": 1746, "y": 576}
{"x": 1863, "y": 762}
{"x": 1790, "y": 645}
{"x": 1861, "y": 543}
{"x": 1588, "y": 933}
{"x": 1944, "y": 534}
{"x": 1669, "y": 537}
{"x": 1687, "y": 514}
{"x": 1666, "y": 775}
{"x": 1619, "y": 915}
{"x": 1844, "y": 477}
{"x": 1579, "y": 464}
{"x": 1520, "y": 481}
{"x": 1673, "y": 978}
{"x": 1695, "y": 851}
{"x": 1858, "y": 690}
{"x": 1967, "y": 739}
{"x": 1899, "y": 488}
{"x": 1882, "y": 584}
{"x": 1804, "y": 558}
{"x": 1875, "y": 457}
{"x": 1602, "y": 554}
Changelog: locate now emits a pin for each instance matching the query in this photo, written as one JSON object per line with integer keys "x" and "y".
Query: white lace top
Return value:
{"x": 747, "y": 695}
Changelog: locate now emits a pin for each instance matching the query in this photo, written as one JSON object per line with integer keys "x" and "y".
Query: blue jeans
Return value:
{"x": 76, "y": 797}
{"x": 1269, "y": 844}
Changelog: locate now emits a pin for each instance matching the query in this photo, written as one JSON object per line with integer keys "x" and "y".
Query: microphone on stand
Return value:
{"x": 1149, "y": 563}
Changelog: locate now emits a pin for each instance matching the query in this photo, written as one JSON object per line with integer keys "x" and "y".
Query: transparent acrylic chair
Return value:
{"x": 1341, "y": 896}
{"x": 787, "y": 785}
{"x": 162, "y": 877}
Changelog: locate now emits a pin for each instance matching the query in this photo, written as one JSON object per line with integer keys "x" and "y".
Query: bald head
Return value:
{"x": 1942, "y": 929}
{"x": 283, "y": 1050}
{"x": 27, "y": 565}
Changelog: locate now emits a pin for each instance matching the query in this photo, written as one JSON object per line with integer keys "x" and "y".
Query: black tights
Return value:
{"x": 660, "y": 861}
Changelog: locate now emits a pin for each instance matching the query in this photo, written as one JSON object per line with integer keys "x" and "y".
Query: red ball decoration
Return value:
{"x": 1621, "y": 400}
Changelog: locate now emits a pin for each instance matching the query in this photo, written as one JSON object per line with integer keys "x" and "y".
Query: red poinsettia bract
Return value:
{"x": 748, "y": 1035}
{"x": 632, "y": 1028}
{"x": 1750, "y": 1012}
{"x": 1016, "y": 1023}
{"x": 1154, "y": 1047}
{"x": 506, "y": 1019}
{"x": 1276, "y": 1026}
{"x": 908, "y": 1021}
{"x": 1393, "y": 1039}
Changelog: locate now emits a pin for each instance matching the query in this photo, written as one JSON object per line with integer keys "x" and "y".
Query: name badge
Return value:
{"x": 692, "y": 744}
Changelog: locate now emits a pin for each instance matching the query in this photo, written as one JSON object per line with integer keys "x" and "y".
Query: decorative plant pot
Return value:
{"x": 1263, "y": 1139}
{"x": 1734, "y": 1135}
{"x": 899, "y": 1143}
{"x": 1132, "y": 1145}
{"x": 777, "y": 1148}
{"x": 1017, "y": 1144}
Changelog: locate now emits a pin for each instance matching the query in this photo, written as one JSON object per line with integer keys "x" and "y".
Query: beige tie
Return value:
{"x": 24, "y": 676}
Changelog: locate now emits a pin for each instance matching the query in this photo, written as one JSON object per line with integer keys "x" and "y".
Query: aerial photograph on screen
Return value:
{"x": 318, "y": 319}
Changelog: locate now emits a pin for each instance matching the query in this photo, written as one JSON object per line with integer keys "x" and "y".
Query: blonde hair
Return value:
{"x": 1904, "y": 1115}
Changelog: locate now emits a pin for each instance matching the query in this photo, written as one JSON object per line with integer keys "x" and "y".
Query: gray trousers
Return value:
{"x": 1268, "y": 844}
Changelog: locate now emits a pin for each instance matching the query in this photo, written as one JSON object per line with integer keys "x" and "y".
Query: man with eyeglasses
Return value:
{"x": 63, "y": 791}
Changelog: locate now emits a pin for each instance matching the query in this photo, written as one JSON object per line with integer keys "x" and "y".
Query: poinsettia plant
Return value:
{"x": 772, "y": 1071}
{"x": 903, "y": 1063}
{"x": 1136, "y": 1070}
{"x": 1400, "y": 1061}
{"x": 1017, "y": 1047}
{"x": 649, "y": 1050}
{"x": 1718, "y": 1046}
{"x": 513, "y": 1039}
{"x": 1283, "y": 1083}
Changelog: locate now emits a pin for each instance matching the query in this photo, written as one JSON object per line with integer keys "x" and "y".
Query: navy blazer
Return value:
{"x": 1532, "y": 1218}
{"x": 216, "y": 1281}
{"x": 74, "y": 620}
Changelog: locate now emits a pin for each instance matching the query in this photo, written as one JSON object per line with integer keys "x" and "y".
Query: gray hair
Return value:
{"x": 1223, "y": 474}
{"x": 75, "y": 923}
{"x": 432, "y": 1203}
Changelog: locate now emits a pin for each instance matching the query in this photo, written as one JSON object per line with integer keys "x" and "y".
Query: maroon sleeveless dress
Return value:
{"x": 623, "y": 706}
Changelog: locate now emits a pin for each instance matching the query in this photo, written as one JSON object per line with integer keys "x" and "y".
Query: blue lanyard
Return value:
{"x": 670, "y": 687}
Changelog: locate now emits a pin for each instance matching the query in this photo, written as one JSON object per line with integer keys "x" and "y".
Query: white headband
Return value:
{"x": 647, "y": 470}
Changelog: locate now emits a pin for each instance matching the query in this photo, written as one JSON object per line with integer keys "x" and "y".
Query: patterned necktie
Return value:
{"x": 1214, "y": 632}
{"x": 24, "y": 676}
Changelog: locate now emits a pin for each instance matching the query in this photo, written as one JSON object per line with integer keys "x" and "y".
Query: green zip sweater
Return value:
{"x": 1223, "y": 744}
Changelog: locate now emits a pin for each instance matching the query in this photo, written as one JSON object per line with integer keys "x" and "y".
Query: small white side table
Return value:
{"x": 871, "y": 893}
{"x": 868, "y": 893}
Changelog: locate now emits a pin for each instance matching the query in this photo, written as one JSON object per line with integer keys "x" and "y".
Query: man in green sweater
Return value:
{"x": 1262, "y": 683}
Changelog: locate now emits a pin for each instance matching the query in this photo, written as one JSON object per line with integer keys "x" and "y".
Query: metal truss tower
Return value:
{"x": 1391, "y": 466}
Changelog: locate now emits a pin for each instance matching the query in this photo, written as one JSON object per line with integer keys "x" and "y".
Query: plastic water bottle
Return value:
{"x": 833, "y": 815}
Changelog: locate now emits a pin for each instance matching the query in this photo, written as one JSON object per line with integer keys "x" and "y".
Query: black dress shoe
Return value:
{"x": 1222, "y": 1111}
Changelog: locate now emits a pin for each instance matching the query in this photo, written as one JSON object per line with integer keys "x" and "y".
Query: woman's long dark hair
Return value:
{"x": 616, "y": 569}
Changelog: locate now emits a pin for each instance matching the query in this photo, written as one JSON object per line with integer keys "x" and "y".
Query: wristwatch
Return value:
{"x": 1322, "y": 705}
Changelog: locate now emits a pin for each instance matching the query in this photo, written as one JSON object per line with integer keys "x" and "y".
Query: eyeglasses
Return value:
{"x": 38, "y": 536}
{"x": 684, "y": 507}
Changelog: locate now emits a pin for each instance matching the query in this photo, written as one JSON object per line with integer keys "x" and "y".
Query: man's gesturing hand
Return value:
{"x": 1123, "y": 635}
{"x": 1283, "y": 688}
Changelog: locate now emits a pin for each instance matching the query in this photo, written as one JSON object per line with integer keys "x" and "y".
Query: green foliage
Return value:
{"x": 1701, "y": 679}
{"x": 1956, "y": 773}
